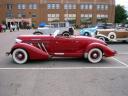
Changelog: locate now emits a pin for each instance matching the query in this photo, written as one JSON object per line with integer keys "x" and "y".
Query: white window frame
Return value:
{"x": 52, "y": 17}
{"x": 21, "y": 6}
{"x": 53, "y": 6}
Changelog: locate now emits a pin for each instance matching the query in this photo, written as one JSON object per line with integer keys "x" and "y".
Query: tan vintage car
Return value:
{"x": 112, "y": 34}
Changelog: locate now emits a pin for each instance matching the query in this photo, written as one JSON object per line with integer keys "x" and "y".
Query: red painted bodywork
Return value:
{"x": 73, "y": 46}
{"x": 33, "y": 52}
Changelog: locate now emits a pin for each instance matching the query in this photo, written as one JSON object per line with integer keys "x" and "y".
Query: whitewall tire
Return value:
{"x": 95, "y": 55}
{"x": 20, "y": 56}
{"x": 102, "y": 38}
{"x": 112, "y": 36}
{"x": 66, "y": 34}
{"x": 38, "y": 33}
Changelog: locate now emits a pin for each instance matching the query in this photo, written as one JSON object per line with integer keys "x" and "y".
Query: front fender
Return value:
{"x": 108, "y": 52}
{"x": 33, "y": 52}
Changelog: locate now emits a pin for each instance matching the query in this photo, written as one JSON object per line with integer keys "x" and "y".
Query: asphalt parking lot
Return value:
{"x": 63, "y": 76}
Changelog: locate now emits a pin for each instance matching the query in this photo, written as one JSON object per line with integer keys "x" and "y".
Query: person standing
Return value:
{"x": 11, "y": 28}
{"x": 4, "y": 27}
{"x": 0, "y": 28}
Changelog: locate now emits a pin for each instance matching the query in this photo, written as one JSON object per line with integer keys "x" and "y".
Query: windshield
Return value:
{"x": 56, "y": 33}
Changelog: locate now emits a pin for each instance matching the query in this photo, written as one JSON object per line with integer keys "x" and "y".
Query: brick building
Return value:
{"x": 75, "y": 11}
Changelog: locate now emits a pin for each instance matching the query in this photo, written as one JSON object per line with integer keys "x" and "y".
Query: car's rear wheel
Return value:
{"x": 95, "y": 55}
{"x": 20, "y": 56}
{"x": 112, "y": 36}
{"x": 38, "y": 33}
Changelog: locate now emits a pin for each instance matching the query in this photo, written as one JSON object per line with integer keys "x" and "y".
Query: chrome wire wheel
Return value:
{"x": 95, "y": 55}
{"x": 20, "y": 56}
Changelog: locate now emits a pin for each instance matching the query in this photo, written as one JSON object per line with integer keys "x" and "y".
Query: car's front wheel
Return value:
{"x": 65, "y": 33}
{"x": 102, "y": 38}
{"x": 95, "y": 55}
{"x": 20, "y": 56}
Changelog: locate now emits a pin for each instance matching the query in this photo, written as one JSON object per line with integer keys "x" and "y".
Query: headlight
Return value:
{"x": 18, "y": 41}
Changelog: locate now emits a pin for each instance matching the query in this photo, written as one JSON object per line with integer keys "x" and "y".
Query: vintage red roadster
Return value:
{"x": 43, "y": 47}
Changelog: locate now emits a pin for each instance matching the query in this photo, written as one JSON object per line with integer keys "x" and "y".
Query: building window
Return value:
{"x": 33, "y": 6}
{"x": 86, "y": 18}
{"x": 21, "y": 6}
{"x": 53, "y": 17}
{"x": 68, "y": 17}
{"x": 53, "y": 6}
{"x": 9, "y": 15}
{"x": 34, "y": 15}
{"x": 102, "y": 7}
{"x": 86, "y": 6}
{"x": 69, "y": 6}
{"x": 106, "y": 7}
{"x": 102, "y": 17}
{"x": 9, "y": 6}
{"x": 86, "y": 15}
{"x": 20, "y": 15}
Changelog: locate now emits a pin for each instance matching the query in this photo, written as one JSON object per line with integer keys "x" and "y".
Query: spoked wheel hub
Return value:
{"x": 95, "y": 55}
{"x": 20, "y": 56}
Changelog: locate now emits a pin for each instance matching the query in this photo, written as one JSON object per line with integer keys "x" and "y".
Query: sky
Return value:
{"x": 123, "y": 2}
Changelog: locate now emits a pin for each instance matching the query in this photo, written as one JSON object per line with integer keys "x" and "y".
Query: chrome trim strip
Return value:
{"x": 35, "y": 39}
{"x": 59, "y": 53}
{"x": 44, "y": 48}
{"x": 18, "y": 40}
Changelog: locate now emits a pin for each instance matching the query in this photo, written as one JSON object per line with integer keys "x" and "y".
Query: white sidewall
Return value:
{"x": 66, "y": 34}
{"x": 95, "y": 60}
{"x": 102, "y": 38}
{"x": 110, "y": 34}
{"x": 38, "y": 33}
{"x": 19, "y": 61}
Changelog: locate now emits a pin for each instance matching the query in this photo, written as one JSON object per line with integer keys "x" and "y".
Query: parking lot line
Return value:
{"x": 63, "y": 68}
{"x": 123, "y": 53}
{"x": 120, "y": 62}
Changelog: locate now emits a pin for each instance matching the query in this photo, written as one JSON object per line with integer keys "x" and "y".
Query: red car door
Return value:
{"x": 64, "y": 44}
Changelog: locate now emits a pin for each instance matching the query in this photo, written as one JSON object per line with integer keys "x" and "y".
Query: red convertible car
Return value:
{"x": 43, "y": 47}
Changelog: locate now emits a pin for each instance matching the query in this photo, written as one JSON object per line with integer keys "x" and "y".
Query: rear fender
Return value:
{"x": 33, "y": 52}
{"x": 105, "y": 49}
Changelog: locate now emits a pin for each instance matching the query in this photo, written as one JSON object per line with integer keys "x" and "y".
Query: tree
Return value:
{"x": 120, "y": 14}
